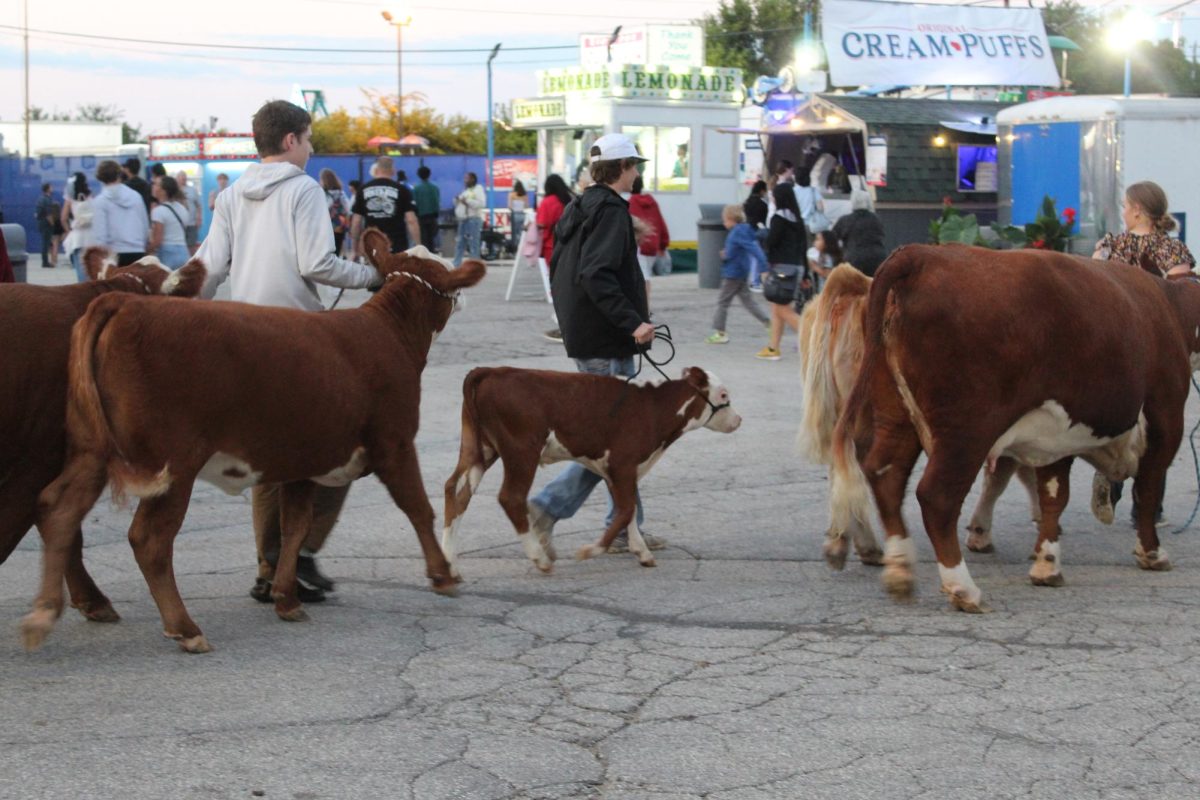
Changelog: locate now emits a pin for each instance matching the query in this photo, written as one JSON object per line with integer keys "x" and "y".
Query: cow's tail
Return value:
{"x": 472, "y": 434}
{"x": 88, "y": 426}
{"x": 823, "y": 326}
{"x": 848, "y": 487}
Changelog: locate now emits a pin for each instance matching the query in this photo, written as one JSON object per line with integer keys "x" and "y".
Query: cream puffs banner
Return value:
{"x": 872, "y": 43}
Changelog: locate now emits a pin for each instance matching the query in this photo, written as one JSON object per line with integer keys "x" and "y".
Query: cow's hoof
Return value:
{"x": 1054, "y": 579}
{"x": 898, "y": 582}
{"x": 455, "y": 575}
{"x": 648, "y": 562}
{"x": 294, "y": 613}
{"x": 980, "y": 542}
{"x": 36, "y": 627}
{"x": 1155, "y": 560}
{"x": 836, "y": 548}
{"x": 547, "y": 543}
{"x": 100, "y": 613}
{"x": 872, "y": 557}
{"x": 447, "y": 586}
{"x": 961, "y": 600}
{"x": 195, "y": 644}
{"x": 589, "y": 551}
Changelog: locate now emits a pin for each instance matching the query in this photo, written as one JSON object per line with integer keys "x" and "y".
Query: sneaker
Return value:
{"x": 756, "y": 289}
{"x": 717, "y": 337}
{"x": 768, "y": 354}
{"x": 1102, "y": 506}
{"x": 306, "y": 571}
{"x": 621, "y": 543}
{"x": 554, "y": 335}
{"x": 305, "y": 594}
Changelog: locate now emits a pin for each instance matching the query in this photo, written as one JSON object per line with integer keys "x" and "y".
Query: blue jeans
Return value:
{"x": 173, "y": 256}
{"x": 77, "y": 263}
{"x": 564, "y": 495}
{"x": 467, "y": 243}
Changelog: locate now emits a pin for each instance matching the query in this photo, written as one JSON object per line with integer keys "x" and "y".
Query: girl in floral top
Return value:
{"x": 1147, "y": 224}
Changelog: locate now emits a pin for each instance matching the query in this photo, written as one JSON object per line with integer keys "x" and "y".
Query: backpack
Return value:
{"x": 82, "y": 213}
{"x": 337, "y": 214}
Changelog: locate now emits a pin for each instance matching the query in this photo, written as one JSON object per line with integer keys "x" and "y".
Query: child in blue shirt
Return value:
{"x": 741, "y": 252}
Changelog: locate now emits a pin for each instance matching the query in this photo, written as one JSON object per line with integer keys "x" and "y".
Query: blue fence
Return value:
{"x": 21, "y": 180}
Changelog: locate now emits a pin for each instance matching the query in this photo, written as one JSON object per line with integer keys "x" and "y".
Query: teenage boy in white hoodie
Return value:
{"x": 270, "y": 235}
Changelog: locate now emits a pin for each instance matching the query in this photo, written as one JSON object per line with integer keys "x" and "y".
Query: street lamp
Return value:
{"x": 1133, "y": 27}
{"x": 398, "y": 24}
{"x": 491, "y": 141}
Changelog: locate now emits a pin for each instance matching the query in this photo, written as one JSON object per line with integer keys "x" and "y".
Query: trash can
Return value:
{"x": 14, "y": 242}
{"x": 710, "y": 238}
{"x": 447, "y": 232}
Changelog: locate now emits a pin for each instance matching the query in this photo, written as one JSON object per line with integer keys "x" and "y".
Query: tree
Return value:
{"x": 757, "y": 36}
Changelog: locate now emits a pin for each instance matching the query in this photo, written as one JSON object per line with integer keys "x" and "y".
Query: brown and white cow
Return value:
{"x": 616, "y": 429}
{"x": 831, "y": 351}
{"x": 973, "y": 355}
{"x": 35, "y": 327}
{"x": 167, "y": 392}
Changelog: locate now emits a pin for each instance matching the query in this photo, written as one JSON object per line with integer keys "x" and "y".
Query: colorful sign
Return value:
{"x": 230, "y": 147}
{"x": 925, "y": 45}
{"x": 877, "y": 160}
{"x": 504, "y": 170}
{"x": 678, "y": 45}
{"x": 704, "y": 84}
{"x": 540, "y": 111}
{"x": 184, "y": 147}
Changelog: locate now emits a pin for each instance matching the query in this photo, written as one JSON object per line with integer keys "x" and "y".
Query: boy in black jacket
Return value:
{"x": 600, "y": 299}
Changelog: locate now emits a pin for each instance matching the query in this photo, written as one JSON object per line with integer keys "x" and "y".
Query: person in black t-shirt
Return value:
{"x": 384, "y": 204}
{"x": 132, "y": 171}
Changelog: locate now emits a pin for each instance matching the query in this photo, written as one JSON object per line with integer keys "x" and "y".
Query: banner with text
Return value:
{"x": 925, "y": 45}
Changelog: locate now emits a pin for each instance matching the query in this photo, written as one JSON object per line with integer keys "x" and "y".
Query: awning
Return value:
{"x": 981, "y": 128}
{"x": 1062, "y": 43}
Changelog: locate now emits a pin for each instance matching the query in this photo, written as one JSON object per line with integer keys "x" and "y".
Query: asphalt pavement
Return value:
{"x": 740, "y": 668}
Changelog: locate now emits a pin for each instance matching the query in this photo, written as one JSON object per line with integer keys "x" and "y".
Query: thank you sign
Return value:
{"x": 925, "y": 45}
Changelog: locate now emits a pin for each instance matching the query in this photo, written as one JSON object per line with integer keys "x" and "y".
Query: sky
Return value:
{"x": 160, "y": 86}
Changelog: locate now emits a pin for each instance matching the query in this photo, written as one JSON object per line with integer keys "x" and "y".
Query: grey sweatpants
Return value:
{"x": 731, "y": 288}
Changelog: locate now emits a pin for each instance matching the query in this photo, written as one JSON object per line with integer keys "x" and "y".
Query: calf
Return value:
{"x": 35, "y": 327}
{"x": 616, "y": 429}
{"x": 163, "y": 393}
{"x": 831, "y": 351}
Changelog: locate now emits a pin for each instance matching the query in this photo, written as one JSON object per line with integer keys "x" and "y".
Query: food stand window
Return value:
{"x": 669, "y": 149}
{"x": 976, "y": 168}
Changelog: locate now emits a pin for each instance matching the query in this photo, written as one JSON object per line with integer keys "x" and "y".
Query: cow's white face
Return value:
{"x": 726, "y": 420}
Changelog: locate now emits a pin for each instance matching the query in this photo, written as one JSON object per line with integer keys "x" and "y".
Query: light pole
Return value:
{"x": 491, "y": 140}
{"x": 28, "y": 149}
{"x": 1133, "y": 27}
{"x": 399, "y": 24}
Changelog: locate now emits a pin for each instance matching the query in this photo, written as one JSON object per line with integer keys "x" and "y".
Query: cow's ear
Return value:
{"x": 469, "y": 273}
{"x": 377, "y": 247}
{"x": 187, "y": 281}
{"x": 696, "y": 377}
{"x": 96, "y": 261}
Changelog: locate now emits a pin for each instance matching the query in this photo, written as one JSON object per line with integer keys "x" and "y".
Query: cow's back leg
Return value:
{"x": 519, "y": 469}
{"x": 152, "y": 535}
{"x": 461, "y": 486}
{"x": 887, "y": 465}
{"x": 396, "y": 464}
{"x": 1054, "y": 490}
{"x": 1164, "y": 434}
{"x": 295, "y": 522}
{"x": 61, "y": 507}
{"x": 979, "y": 529}
{"x": 941, "y": 491}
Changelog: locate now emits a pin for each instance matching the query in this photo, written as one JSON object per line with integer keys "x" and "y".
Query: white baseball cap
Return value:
{"x": 614, "y": 147}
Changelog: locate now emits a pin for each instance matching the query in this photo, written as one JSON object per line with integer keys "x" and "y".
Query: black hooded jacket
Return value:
{"x": 597, "y": 285}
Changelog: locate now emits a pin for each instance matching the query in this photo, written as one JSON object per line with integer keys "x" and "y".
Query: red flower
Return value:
{"x": 1040, "y": 244}
{"x": 947, "y": 201}
{"x": 1069, "y": 215}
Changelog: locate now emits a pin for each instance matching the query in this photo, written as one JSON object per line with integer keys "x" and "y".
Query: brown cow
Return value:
{"x": 163, "y": 393}
{"x": 972, "y": 355}
{"x": 831, "y": 350}
{"x": 616, "y": 429}
{"x": 35, "y": 327}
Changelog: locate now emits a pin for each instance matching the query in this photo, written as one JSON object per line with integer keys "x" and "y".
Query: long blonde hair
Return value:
{"x": 1150, "y": 197}
{"x": 330, "y": 181}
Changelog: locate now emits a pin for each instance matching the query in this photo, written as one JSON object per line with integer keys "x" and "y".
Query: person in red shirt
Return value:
{"x": 555, "y": 198}
{"x": 653, "y": 244}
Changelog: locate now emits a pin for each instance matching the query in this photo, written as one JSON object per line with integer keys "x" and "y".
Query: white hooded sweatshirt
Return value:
{"x": 273, "y": 224}
{"x": 119, "y": 220}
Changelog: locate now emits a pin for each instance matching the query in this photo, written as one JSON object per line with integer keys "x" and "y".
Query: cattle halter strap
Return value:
{"x": 423, "y": 282}
{"x": 663, "y": 333}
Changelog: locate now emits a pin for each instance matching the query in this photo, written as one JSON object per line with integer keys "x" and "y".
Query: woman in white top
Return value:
{"x": 168, "y": 237}
{"x": 518, "y": 202}
{"x": 77, "y": 220}
{"x": 824, "y": 255}
{"x": 812, "y": 207}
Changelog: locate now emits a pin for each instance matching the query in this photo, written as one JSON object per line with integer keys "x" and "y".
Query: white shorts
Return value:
{"x": 647, "y": 265}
